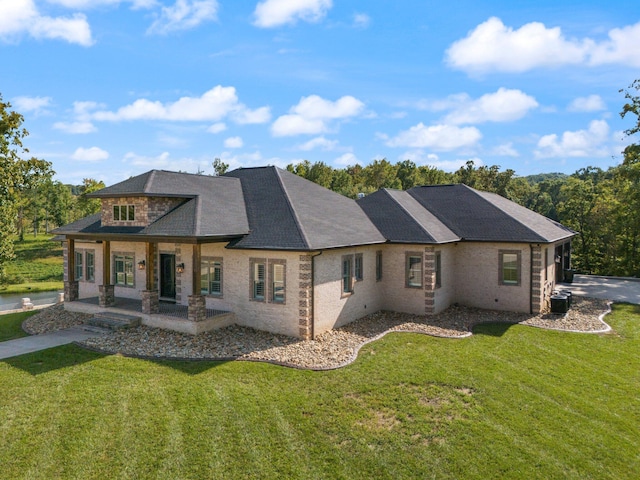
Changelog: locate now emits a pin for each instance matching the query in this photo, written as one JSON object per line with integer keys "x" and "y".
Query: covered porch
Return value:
{"x": 187, "y": 313}
{"x": 169, "y": 316}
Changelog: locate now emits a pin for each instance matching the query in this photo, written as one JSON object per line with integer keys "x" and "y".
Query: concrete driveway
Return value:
{"x": 610, "y": 288}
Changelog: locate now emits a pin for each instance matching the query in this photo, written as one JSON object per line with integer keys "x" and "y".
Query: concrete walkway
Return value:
{"x": 35, "y": 343}
{"x": 609, "y": 288}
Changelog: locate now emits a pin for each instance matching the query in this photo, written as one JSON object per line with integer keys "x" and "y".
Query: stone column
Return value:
{"x": 197, "y": 308}
{"x": 305, "y": 297}
{"x": 70, "y": 291}
{"x": 150, "y": 302}
{"x": 107, "y": 296}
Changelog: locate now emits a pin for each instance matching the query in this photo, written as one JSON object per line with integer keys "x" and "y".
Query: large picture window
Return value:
{"x": 510, "y": 261}
{"x": 123, "y": 267}
{"x": 211, "y": 276}
{"x": 413, "y": 270}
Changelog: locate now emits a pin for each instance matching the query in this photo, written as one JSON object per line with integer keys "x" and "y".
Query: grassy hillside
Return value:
{"x": 36, "y": 268}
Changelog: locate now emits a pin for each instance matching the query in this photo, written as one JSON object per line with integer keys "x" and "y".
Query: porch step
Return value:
{"x": 114, "y": 321}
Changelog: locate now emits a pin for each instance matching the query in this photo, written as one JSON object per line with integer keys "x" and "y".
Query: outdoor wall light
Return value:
{"x": 141, "y": 265}
{"x": 180, "y": 268}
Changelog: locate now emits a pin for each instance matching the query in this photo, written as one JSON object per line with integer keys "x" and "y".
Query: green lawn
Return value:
{"x": 509, "y": 402}
{"x": 11, "y": 325}
{"x": 36, "y": 268}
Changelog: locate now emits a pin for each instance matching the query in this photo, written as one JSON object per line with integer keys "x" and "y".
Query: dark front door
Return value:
{"x": 167, "y": 276}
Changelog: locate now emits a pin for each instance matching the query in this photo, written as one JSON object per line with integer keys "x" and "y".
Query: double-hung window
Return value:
{"x": 91, "y": 266}
{"x": 509, "y": 267}
{"x": 277, "y": 282}
{"x": 258, "y": 280}
{"x": 78, "y": 266}
{"x": 123, "y": 266}
{"x": 211, "y": 276}
{"x": 378, "y": 266}
{"x": 347, "y": 281}
{"x": 413, "y": 270}
{"x": 358, "y": 267}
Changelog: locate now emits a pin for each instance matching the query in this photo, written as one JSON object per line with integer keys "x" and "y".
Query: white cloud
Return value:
{"x": 217, "y": 128}
{"x": 505, "y": 150}
{"x": 437, "y": 137}
{"x": 213, "y": 105}
{"x": 183, "y": 15}
{"x": 581, "y": 143}
{"x": 37, "y": 105}
{"x": 346, "y": 159}
{"x": 318, "y": 142}
{"x": 93, "y": 154}
{"x": 313, "y": 114}
{"x": 361, "y": 20}
{"x": 274, "y": 13}
{"x": 621, "y": 48}
{"x": 18, "y": 17}
{"x": 592, "y": 103}
{"x": 87, "y": 4}
{"x": 233, "y": 142}
{"x": 502, "y": 106}
{"x": 246, "y": 116}
{"x": 161, "y": 161}
{"x": 75, "y": 127}
{"x": 492, "y": 46}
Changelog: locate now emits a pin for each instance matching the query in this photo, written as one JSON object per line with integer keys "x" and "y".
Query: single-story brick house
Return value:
{"x": 264, "y": 248}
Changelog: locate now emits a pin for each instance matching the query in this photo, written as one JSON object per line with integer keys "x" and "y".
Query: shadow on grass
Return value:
{"x": 51, "y": 359}
{"x": 492, "y": 329}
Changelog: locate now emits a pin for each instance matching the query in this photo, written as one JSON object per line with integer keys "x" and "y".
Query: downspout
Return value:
{"x": 313, "y": 295}
{"x": 531, "y": 279}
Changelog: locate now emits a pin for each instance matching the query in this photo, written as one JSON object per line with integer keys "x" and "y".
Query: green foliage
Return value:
{"x": 11, "y": 325}
{"x": 37, "y": 266}
{"x": 219, "y": 167}
{"x": 18, "y": 176}
{"x": 509, "y": 402}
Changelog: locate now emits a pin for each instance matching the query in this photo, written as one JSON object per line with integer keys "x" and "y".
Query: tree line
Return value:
{"x": 602, "y": 206}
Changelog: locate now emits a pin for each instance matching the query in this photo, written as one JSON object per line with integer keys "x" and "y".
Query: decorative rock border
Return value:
{"x": 333, "y": 349}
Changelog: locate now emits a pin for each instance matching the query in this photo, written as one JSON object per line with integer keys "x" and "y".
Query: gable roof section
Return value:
{"x": 480, "y": 216}
{"x": 286, "y": 211}
{"x": 401, "y": 219}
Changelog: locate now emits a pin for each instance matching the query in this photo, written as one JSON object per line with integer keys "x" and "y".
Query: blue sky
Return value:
{"x": 113, "y": 88}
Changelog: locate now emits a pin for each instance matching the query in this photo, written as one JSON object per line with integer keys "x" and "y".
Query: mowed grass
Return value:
{"x": 11, "y": 325}
{"x": 37, "y": 266}
{"x": 509, "y": 402}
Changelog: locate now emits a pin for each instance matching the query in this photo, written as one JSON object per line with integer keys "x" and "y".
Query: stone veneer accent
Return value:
{"x": 536, "y": 275}
{"x": 197, "y": 308}
{"x": 148, "y": 209}
{"x": 150, "y": 301}
{"x": 107, "y": 296}
{"x": 70, "y": 291}
{"x": 429, "y": 280}
{"x": 305, "y": 297}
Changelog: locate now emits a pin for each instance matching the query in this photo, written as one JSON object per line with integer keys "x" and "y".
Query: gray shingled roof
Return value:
{"x": 213, "y": 206}
{"x": 481, "y": 216}
{"x": 401, "y": 219}
{"x": 288, "y": 212}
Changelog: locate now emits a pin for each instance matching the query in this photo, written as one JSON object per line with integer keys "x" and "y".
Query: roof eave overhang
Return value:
{"x": 115, "y": 237}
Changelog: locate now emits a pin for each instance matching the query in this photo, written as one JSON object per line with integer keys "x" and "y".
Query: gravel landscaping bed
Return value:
{"x": 332, "y": 349}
